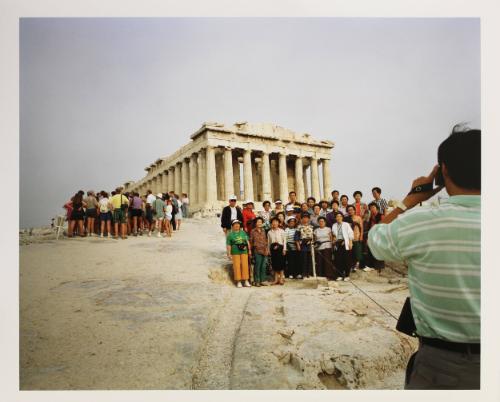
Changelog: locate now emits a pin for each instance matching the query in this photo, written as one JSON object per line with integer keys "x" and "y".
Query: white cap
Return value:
{"x": 159, "y": 195}
{"x": 288, "y": 218}
{"x": 278, "y": 202}
{"x": 233, "y": 197}
{"x": 248, "y": 202}
{"x": 289, "y": 207}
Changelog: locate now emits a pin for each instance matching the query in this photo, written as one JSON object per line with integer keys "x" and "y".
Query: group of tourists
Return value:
{"x": 120, "y": 214}
{"x": 301, "y": 239}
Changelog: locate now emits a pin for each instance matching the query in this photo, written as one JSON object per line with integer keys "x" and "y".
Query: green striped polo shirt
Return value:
{"x": 442, "y": 247}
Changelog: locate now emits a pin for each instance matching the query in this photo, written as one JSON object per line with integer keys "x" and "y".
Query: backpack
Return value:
{"x": 175, "y": 208}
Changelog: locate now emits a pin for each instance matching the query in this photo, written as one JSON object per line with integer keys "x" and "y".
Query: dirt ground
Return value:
{"x": 150, "y": 313}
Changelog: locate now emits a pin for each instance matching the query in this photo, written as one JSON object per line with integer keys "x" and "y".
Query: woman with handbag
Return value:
{"x": 323, "y": 249}
{"x": 343, "y": 237}
{"x": 238, "y": 250}
{"x": 277, "y": 248}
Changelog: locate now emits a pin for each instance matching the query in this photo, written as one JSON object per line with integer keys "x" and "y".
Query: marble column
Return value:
{"x": 327, "y": 184}
{"x": 193, "y": 179}
{"x": 202, "y": 177}
{"x": 171, "y": 178}
{"x": 178, "y": 178}
{"x": 211, "y": 186}
{"x": 255, "y": 179}
{"x": 283, "y": 178}
{"x": 155, "y": 185}
{"x": 228, "y": 173}
{"x": 307, "y": 187}
{"x": 219, "y": 168}
{"x": 164, "y": 182}
{"x": 299, "y": 180}
{"x": 275, "y": 179}
{"x": 185, "y": 177}
{"x": 266, "y": 177}
{"x": 315, "y": 179}
{"x": 247, "y": 174}
{"x": 236, "y": 176}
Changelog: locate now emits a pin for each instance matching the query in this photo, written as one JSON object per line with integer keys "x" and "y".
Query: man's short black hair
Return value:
{"x": 266, "y": 202}
{"x": 461, "y": 153}
{"x": 350, "y": 206}
{"x": 335, "y": 191}
{"x": 335, "y": 202}
{"x": 311, "y": 198}
{"x": 357, "y": 192}
{"x": 377, "y": 189}
{"x": 342, "y": 196}
{"x": 258, "y": 218}
{"x": 292, "y": 192}
{"x": 375, "y": 204}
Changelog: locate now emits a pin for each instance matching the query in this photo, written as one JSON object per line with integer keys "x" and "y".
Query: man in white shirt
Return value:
{"x": 149, "y": 209}
{"x": 229, "y": 214}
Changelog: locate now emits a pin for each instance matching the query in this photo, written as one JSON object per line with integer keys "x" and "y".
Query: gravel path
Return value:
{"x": 149, "y": 313}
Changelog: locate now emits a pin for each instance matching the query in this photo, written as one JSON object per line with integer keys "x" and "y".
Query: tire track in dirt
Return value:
{"x": 214, "y": 366}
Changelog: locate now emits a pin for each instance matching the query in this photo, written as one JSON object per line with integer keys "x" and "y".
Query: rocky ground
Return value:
{"x": 150, "y": 313}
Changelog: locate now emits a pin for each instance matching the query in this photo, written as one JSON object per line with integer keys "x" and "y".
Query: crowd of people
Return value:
{"x": 120, "y": 214}
{"x": 301, "y": 239}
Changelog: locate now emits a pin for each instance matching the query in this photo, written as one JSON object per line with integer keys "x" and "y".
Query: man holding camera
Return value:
{"x": 442, "y": 248}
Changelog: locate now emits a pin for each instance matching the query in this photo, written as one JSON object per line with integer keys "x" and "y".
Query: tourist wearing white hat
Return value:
{"x": 278, "y": 207}
{"x": 238, "y": 250}
{"x": 230, "y": 213}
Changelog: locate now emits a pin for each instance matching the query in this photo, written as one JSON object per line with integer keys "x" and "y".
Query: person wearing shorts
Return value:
{"x": 150, "y": 198}
{"x": 159, "y": 213}
{"x": 119, "y": 213}
{"x": 136, "y": 212}
{"x": 104, "y": 213}
{"x": 77, "y": 216}
{"x": 91, "y": 211}
{"x": 168, "y": 216}
{"x": 178, "y": 215}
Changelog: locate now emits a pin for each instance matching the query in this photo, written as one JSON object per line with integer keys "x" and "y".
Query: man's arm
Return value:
{"x": 413, "y": 199}
{"x": 383, "y": 238}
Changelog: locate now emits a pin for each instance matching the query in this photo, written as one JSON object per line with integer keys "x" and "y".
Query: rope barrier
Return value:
{"x": 358, "y": 288}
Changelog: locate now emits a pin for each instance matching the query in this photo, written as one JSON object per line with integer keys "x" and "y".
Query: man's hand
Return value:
{"x": 413, "y": 199}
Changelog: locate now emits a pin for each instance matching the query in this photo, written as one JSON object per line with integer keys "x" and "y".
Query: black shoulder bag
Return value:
{"x": 406, "y": 323}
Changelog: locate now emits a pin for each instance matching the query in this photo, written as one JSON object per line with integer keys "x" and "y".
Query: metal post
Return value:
{"x": 313, "y": 258}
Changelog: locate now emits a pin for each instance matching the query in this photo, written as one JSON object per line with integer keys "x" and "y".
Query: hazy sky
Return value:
{"x": 102, "y": 98}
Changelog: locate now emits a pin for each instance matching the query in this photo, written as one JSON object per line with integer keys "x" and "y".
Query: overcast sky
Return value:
{"x": 102, "y": 98}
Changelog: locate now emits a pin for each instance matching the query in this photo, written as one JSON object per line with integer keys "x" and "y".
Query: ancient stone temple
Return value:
{"x": 252, "y": 161}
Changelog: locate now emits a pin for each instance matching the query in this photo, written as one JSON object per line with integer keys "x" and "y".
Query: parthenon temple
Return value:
{"x": 252, "y": 161}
